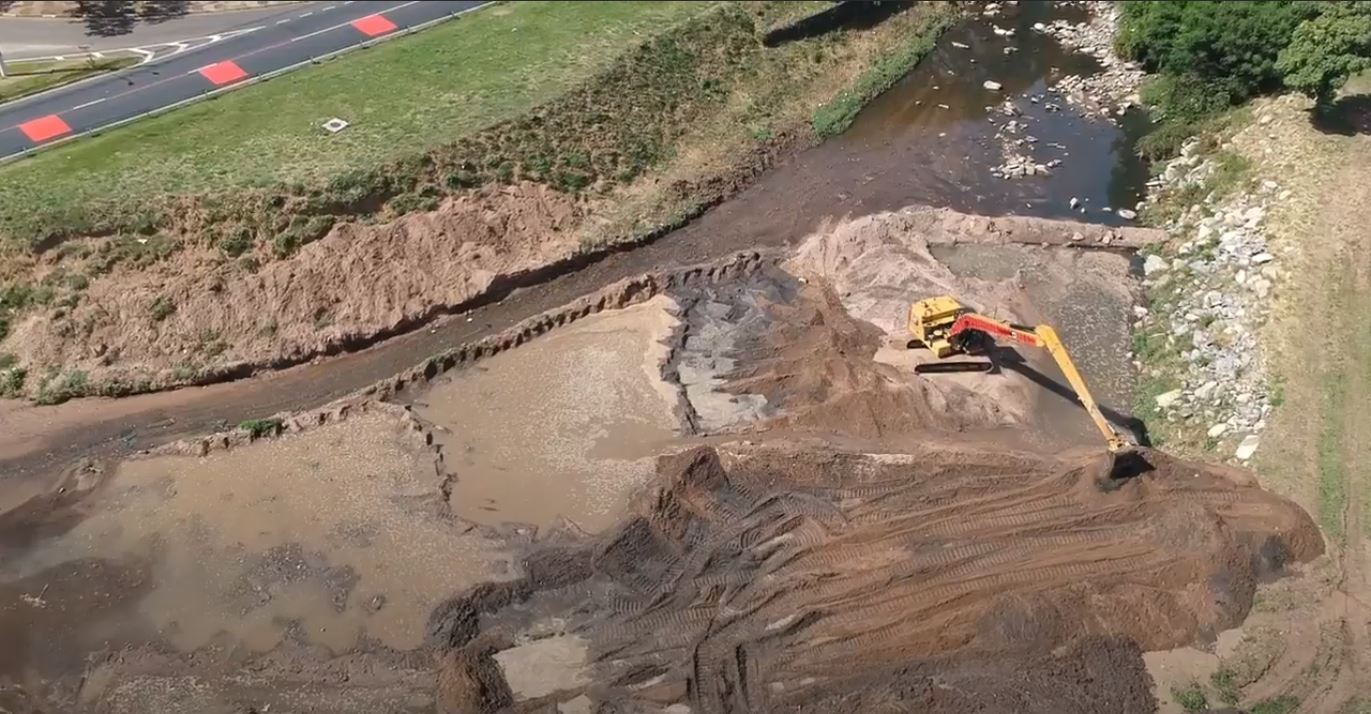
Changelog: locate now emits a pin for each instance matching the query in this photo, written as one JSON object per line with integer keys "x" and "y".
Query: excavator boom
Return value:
{"x": 946, "y": 327}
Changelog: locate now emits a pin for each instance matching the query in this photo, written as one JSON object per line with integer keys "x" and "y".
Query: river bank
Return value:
{"x": 213, "y": 286}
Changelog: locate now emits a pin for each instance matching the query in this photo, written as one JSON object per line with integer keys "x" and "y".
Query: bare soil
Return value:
{"x": 854, "y": 537}
{"x": 358, "y": 282}
{"x": 761, "y": 579}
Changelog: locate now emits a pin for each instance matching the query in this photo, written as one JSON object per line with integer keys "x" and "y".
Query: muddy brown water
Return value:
{"x": 891, "y": 157}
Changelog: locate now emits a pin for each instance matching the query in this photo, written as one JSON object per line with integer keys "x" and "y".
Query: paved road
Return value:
{"x": 22, "y": 37}
{"x": 294, "y": 37}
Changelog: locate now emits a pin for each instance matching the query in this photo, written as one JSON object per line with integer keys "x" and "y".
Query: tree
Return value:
{"x": 1328, "y": 49}
{"x": 1232, "y": 46}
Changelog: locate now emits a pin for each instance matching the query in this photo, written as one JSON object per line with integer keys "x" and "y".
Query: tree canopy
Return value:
{"x": 1239, "y": 49}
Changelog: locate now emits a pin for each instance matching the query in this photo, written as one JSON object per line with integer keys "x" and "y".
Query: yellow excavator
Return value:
{"x": 946, "y": 327}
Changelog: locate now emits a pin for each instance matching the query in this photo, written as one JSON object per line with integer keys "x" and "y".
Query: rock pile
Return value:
{"x": 1108, "y": 93}
{"x": 1212, "y": 293}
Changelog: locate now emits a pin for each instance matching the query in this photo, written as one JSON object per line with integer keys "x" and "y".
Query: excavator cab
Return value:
{"x": 946, "y": 327}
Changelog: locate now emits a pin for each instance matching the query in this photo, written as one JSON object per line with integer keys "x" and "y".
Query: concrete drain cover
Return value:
{"x": 335, "y": 125}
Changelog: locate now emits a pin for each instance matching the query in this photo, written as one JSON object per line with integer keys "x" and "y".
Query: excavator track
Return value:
{"x": 946, "y": 367}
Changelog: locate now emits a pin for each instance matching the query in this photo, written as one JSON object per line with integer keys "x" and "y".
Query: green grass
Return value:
{"x": 401, "y": 97}
{"x": 25, "y": 78}
{"x": 1279, "y": 705}
{"x": 835, "y": 116}
{"x": 1225, "y": 681}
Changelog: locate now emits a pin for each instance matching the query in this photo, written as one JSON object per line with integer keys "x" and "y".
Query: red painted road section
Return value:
{"x": 222, "y": 73}
{"x": 373, "y": 25}
{"x": 44, "y": 128}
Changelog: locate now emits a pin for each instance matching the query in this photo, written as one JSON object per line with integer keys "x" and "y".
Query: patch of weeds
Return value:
{"x": 211, "y": 345}
{"x": 1225, "y": 681}
{"x": 162, "y": 308}
{"x": 258, "y": 428}
{"x": 12, "y": 382}
{"x": 1232, "y": 172}
{"x": 1280, "y": 705}
{"x": 1332, "y": 489}
{"x": 1276, "y": 396}
{"x": 237, "y": 242}
{"x": 68, "y": 386}
{"x": 413, "y": 203}
{"x": 11, "y": 376}
{"x": 132, "y": 250}
{"x": 1191, "y": 698}
{"x": 762, "y": 133}
{"x": 301, "y": 232}
{"x": 185, "y": 372}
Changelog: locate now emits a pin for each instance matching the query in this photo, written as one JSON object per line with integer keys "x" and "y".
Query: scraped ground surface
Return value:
{"x": 562, "y": 429}
{"x": 800, "y": 578}
{"x": 329, "y": 543}
{"x": 850, "y": 536}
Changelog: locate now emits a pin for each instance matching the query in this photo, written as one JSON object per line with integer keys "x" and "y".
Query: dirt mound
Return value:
{"x": 771, "y": 353}
{"x": 173, "y": 324}
{"x": 783, "y": 577}
{"x": 879, "y": 264}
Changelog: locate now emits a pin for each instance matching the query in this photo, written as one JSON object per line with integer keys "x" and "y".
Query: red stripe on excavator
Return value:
{"x": 973, "y": 322}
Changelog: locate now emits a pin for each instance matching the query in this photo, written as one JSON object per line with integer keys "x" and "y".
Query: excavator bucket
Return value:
{"x": 1115, "y": 467}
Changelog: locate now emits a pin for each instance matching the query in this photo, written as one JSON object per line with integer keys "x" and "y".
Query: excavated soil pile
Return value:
{"x": 770, "y": 352}
{"x": 946, "y": 580}
{"x": 357, "y": 282}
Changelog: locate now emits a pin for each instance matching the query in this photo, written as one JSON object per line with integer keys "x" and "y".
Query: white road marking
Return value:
{"x": 88, "y": 104}
{"x": 326, "y": 8}
{"x": 282, "y": 22}
{"x": 345, "y": 24}
{"x": 98, "y": 55}
{"x": 59, "y": 58}
{"x": 306, "y": 14}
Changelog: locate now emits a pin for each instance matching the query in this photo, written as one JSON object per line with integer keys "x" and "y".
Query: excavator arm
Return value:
{"x": 1045, "y": 337}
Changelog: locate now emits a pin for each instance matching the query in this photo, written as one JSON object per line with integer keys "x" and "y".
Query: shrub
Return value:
{"x": 1212, "y": 55}
{"x": 12, "y": 381}
{"x": 1326, "y": 50}
{"x": 258, "y": 428}
{"x": 162, "y": 308}
{"x": 238, "y": 242}
{"x": 1234, "y": 45}
{"x": 69, "y": 386}
{"x": 1191, "y": 699}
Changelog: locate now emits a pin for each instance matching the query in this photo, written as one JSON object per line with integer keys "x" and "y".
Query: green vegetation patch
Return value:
{"x": 1191, "y": 698}
{"x": 1208, "y": 56}
{"x": 258, "y": 428}
{"x": 403, "y": 98}
{"x": 25, "y": 78}
{"x": 1279, "y": 705}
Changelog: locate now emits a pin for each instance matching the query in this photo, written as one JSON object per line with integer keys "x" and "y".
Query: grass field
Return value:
{"x": 25, "y": 78}
{"x": 401, "y": 97}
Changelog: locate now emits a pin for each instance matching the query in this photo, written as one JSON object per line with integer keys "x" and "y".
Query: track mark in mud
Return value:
{"x": 723, "y": 586}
